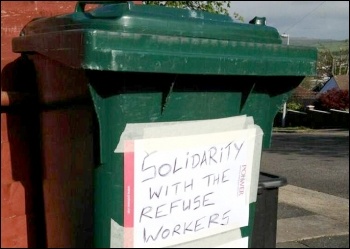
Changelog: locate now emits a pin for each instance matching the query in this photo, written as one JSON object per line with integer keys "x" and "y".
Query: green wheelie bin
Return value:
{"x": 99, "y": 70}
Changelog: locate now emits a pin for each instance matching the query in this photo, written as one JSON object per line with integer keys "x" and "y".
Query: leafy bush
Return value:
{"x": 295, "y": 106}
{"x": 333, "y": 99}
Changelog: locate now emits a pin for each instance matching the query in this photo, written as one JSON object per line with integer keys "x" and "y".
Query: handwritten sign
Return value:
{"x": 179, "y": 189}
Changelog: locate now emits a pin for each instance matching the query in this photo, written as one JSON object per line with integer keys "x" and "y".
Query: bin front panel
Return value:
{"x": 166, "y": 97}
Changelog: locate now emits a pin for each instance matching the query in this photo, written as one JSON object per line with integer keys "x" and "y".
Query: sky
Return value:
{"x": 309, "y": 19}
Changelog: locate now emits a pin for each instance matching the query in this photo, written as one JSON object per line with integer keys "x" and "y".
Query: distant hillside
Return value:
{"x": 332, "y": 45}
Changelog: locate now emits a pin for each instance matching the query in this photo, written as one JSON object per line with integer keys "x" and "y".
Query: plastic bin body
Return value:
{"x": 122, "y": 63}
{"x": 265, "y": 222}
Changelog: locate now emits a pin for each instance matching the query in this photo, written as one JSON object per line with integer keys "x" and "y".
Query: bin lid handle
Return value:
{"x": 80, "y": 6}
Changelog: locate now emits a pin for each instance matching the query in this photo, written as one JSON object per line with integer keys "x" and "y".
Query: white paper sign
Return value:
{"x": 239, "y": 243}
{"x": 179, "y": 189}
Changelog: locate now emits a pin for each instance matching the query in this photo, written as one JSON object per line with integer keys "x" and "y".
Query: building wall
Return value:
{"x": 22, "y": 211}
{"x": 22, "y": 217}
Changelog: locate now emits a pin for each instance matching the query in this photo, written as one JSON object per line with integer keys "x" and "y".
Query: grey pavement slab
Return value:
{"x": 308, "y": 227}
{"x": 289, "y": 211}
{"x": 330, "y": 206}
{"x": 341, "y": 241}
{"x": 311, "y": 219}
{"x": 292, "y": 244}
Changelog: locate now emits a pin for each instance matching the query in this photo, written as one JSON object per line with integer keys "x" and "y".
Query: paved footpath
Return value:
{"x": 311, "y": 219}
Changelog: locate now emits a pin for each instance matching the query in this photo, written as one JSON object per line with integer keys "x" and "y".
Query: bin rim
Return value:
{"x": 136, "y": 38}
{"x": 271, "y": 181}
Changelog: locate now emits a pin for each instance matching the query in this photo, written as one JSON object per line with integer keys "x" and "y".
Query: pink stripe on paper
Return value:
{"x": 129, "y": 184}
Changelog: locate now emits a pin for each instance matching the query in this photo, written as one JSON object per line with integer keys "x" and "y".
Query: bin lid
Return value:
{"x": 122, "y": 36}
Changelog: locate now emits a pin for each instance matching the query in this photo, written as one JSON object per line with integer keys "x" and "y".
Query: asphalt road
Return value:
{"x": 313, "y": 208}
{"x": 317, "y": 160}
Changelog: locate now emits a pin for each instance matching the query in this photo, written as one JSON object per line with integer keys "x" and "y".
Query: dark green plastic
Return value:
{"x": 137, "y": 38}
{"x": 156, "y": 64}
